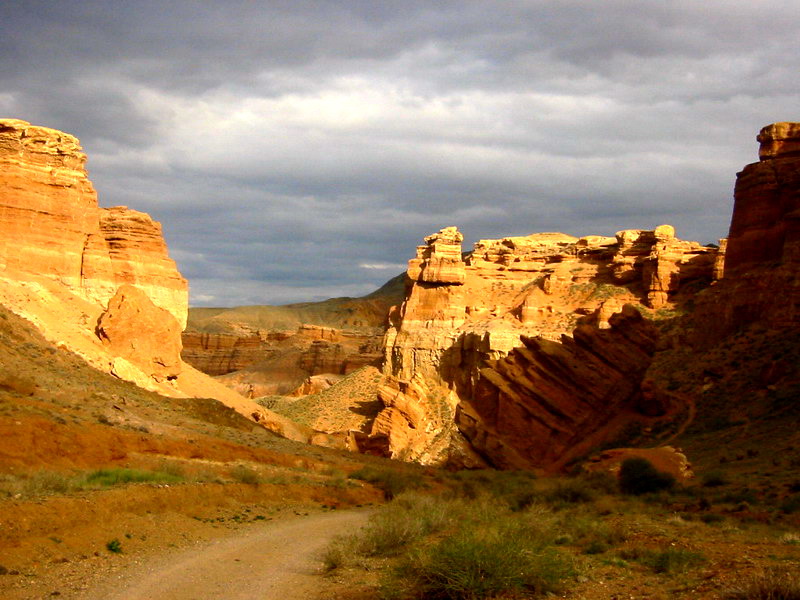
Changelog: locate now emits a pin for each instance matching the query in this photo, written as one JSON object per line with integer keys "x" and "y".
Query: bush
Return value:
{"x": 715, "y": 479}
{"x": 776, "y": 584}
{"x": 391, "y": 481}
{"x": 477, "y": 563}
{"x": 570, "y": 491}
{"x": 114, "y": 546}
{"x": 664, "y": 561}
{"x": 514, "y": 488}
{"x": 638, "y": 476}
{"x": 791, "y": 505}
{"x": 244, "y": 474}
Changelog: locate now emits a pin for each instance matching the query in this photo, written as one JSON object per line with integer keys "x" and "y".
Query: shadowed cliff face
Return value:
{"x": 537, "y": 405}
{"x": 762, "y": 260}
{"x": 765, "y": 228}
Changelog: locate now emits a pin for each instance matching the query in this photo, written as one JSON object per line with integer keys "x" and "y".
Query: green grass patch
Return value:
{"x": 120, "y": 476}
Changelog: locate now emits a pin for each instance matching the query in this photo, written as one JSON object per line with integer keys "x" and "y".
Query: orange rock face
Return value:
{"x": 52, "y": 225}
{"x": 482, "y": 308}
{"x": 536, "y": 406}
{"x": 145, "y": 335}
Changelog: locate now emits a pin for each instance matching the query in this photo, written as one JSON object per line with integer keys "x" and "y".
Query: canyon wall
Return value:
{"x": 762, "y": 256}
{"x": 461, "y": 313}
{"x": 96, "y": 281}
{"x": 53, "y": 227}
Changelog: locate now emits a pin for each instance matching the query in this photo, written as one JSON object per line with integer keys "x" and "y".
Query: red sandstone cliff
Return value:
{"x": 98, "y": 282}
{"x": 460, "y": 314}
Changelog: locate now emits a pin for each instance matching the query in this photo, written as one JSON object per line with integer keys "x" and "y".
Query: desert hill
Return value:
{"x": 267, "y": 350}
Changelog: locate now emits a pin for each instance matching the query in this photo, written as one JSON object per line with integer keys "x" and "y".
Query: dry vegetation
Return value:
{"x": 508, "y": 535}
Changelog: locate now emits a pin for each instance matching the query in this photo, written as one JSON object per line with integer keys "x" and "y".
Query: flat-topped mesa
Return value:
{"x": 765, "y": 227}
{"x": 439, "y": 260}
{"x": 52, "y": 225}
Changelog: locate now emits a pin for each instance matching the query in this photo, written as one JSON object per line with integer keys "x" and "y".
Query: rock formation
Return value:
{"x": 536, "y": 405}
{"x": 97, "y": 282}
{"x": 762, "y": 251}
{"x": 459, "y": 314}
{"x": 53, "y": 226}
{"x": 765, "y": 228}
{"x": 133, "y": 328}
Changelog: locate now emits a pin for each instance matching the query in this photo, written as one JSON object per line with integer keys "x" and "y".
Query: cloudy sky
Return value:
{"x": 297, "y": 150}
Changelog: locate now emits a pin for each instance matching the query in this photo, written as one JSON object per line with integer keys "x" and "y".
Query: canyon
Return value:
{"x": 525, "y": 352}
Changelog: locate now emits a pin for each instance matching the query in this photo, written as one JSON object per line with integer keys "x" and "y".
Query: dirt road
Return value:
{"x": 276, "y": 561}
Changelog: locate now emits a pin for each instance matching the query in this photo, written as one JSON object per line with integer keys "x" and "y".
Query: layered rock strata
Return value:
{"x": 537, "y": 405}
{"x": 762, "y": 251}
{"x": 765, "y": 228}
{"x": 53, "y": 227}
{"x": 457, "y": 314}
{"x": 97, "y": 282}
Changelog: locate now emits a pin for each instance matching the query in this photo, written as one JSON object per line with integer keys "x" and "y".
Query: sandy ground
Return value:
{"x": 278, "y": 559}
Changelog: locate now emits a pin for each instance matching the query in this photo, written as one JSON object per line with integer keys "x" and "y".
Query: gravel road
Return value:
{"x": 277, "y": 561}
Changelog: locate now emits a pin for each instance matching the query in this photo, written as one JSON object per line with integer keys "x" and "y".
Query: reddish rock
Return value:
{"x": 142, "y": 333}
{"x": 53, "y": 227}
{"x": 534, "y": 407}
{"x": 765, "y": 228}
{"x": 514, "y": 288}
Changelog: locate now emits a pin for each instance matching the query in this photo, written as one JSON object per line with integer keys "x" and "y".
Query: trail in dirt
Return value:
{"x": 278, "y": 561}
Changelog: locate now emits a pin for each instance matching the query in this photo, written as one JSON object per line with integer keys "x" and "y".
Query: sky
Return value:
{"x": 299, "y": 150}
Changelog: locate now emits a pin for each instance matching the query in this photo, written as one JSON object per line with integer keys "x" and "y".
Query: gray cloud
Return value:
{"x": 284, "y": 144}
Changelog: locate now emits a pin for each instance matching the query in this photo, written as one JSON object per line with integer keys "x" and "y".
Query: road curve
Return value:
{"x": 279, "y": 561}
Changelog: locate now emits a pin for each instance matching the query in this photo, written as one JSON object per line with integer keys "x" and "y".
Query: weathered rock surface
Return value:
{"x": 137, "y": 330}
{"x": 53, "y": 227}
{"x": 537, "y": 405}
{"x": 97, "y": 282}
{"x": 515, "y": 288}
{"x": 220, "y": 353}
{"x": 762, "y": 251}
{"x": 765, "y": 228}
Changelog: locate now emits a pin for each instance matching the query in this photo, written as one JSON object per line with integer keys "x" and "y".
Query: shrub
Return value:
{"x": 114, "y": 546}
{"x": 775, "y": 584}
{"x": 638, "y": 476}
{"x": 570, "y": 491}
{"x": 406, "y": 520}
{"x": 391, "y": 481}
{"x": 244, "y": 474}
{"x": 791, "y": 505}
{"x": 664, "y": 561}
{"x": 715, "y": 479}
{"x": 477, "y": 563}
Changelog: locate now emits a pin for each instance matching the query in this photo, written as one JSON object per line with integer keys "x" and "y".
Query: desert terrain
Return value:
{"x": 596, "y": 417}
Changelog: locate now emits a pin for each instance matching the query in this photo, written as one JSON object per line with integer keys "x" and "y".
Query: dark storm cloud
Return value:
{"x": 296, "y": 150}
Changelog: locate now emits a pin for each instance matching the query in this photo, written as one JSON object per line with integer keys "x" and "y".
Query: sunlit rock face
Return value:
{"x": 469, "y": 311}
{"x": 52, "y": 225}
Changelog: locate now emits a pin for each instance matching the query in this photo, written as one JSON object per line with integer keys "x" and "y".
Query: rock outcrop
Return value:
{"x": 765, "y": 228}
{"x": 480, "y": 308}
{"x": 538, "y": 405}
{"x": 53, "y": 227}
{"x": 762, "y": 251}
{"x": 97, "y": 282}
{"x": 133, "y": 328}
